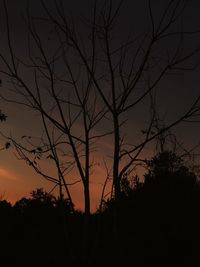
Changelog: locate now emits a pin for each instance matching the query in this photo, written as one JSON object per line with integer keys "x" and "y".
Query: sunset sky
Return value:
{"x": 175, "y": 95}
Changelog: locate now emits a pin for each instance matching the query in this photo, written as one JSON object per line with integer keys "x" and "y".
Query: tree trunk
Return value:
{"x": 85, "y": 230}
{"x": 117, "y": 188}
{"x": 116, "y": 179}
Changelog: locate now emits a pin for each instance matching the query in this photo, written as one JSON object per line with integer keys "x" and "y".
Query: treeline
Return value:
{"x": 155, "y": 223}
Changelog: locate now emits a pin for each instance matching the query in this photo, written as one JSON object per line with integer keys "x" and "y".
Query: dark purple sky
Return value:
{"x": 175, "y": 92}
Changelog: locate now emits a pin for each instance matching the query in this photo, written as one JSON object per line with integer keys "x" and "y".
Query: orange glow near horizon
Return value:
{"x": 18, "y": 180}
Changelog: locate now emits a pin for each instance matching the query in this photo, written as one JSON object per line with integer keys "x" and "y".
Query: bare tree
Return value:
{"x": 80, "y": 83}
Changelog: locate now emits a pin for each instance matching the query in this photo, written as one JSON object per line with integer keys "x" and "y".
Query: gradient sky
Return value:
{"x": 175, "y": 96}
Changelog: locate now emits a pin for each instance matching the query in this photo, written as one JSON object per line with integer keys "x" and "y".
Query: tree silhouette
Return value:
{"x": 159, "y": 219}
{"x": 85, "y": 86}
{"x": 168, "y": 170}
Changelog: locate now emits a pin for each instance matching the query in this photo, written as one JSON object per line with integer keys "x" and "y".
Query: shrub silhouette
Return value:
{"x": 158, "y": 223}
{"x": 159, "y": 218}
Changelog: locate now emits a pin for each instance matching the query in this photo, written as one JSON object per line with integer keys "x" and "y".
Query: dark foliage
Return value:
{"x": 158, "y": 224}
